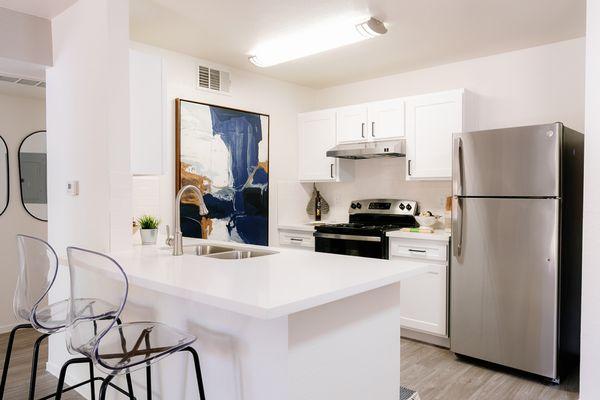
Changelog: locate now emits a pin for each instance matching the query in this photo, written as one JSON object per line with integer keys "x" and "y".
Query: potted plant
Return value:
{"x": 149, "y": 228}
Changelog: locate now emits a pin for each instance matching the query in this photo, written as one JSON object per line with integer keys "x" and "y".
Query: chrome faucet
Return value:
{"x": 177, "y": 240}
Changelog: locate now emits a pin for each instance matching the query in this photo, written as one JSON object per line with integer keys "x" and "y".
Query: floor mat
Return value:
{"x": 407, "y": 394}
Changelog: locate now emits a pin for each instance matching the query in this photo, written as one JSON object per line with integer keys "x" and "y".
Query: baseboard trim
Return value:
{"x": 9, "y": 327}
{"x": 426, "y": 338}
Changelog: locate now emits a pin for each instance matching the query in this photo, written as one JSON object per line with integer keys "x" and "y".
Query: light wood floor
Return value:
{"x": 437, "y": 374}
{"x": 434, "y": 372}
{"x": 17, "y": 385}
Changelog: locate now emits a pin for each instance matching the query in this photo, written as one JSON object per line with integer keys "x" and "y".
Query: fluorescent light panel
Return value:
{"x": 318, "y": 39}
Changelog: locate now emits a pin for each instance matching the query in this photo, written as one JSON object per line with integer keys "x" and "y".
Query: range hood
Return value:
{"x": 361, "y": 151}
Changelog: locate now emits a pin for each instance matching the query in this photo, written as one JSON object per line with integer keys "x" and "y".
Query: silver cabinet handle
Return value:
{"x": 296, "y": 240}
{"x": 331, "y": 170}
{"x": 417, "y": 251}
{"x": 457, "y": 167}
{"x": 362, "y": 130}
{"x": 457, "y": 220}
{"x": 409, "y": 162}
{"x": 373, "y": 128}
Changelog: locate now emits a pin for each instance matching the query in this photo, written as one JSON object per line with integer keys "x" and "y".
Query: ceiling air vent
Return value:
{"x": 22, "y": 81}
{"x": 213, "y": 79}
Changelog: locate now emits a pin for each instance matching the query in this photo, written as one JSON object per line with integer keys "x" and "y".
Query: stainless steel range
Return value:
{"x": 364, "y": 234}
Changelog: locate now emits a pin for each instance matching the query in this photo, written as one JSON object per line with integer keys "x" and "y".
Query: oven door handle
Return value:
{"x": 358, "y": 238}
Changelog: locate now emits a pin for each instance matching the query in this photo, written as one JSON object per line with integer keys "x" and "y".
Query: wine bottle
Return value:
{"x": 318, "y": 206}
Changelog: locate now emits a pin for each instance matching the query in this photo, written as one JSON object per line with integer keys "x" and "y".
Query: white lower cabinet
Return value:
{"x": 424, "y": 298}
{"x": 423, "y": 301}
{"x": 296, "y": 238}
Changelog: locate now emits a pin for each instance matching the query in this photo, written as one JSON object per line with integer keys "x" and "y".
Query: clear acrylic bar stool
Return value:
{"x": 37, "y": 270}
{"x": 117, "y": 349}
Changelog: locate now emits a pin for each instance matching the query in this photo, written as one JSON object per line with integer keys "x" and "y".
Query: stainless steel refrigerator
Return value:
{"x": 515, "y": 278}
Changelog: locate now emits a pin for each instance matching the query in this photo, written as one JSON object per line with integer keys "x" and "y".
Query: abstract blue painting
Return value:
{"x": 225, "y": 153}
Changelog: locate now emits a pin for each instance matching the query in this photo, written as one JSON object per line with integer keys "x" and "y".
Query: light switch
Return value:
{"x": 73, "y": 188}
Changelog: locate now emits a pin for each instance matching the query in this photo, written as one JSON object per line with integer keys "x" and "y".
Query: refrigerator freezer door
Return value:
{"x": 521, "y": 162}
{"x": 504, "y": 283}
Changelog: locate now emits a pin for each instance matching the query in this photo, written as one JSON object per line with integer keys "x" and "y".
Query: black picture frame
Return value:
{"x": 21, "y": 177}
{"x": 7, "y": 176}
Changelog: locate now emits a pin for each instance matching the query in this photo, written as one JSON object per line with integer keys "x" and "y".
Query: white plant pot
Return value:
{"x": 149, "y": 236}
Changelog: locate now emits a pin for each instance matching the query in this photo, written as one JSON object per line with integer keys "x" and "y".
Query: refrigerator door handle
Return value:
{"x": 458, "y": 173}
{"x": 457, "y": 222}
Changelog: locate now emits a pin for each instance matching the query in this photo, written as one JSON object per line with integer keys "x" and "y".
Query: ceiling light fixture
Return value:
{"x": 328, "y": 36}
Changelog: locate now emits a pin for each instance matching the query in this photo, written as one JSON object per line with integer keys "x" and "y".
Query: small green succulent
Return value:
{"x": 148, "y": 222}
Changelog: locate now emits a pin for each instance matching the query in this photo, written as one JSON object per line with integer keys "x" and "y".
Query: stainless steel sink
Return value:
{"x": 241, "y": 254}
{"x": 205, "y": 249}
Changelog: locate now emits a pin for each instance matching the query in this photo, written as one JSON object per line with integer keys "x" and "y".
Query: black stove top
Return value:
{"x": 365, "y": 229}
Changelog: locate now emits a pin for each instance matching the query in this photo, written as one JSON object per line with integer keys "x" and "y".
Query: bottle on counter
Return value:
{"x": 318, "y": 205}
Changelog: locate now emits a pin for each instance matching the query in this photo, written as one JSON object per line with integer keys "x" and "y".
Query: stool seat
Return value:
{"x": 136, "y": 344}
{"x": 54, "y": 317}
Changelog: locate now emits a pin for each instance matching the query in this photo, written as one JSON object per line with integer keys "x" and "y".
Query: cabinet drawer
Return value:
{"x": 419, "y": 249}
{"x": 300, "y": 239}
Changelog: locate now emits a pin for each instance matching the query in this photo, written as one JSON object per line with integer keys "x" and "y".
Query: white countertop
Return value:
{"x": 438, "y": 235}
{"x": 262, "y": 287}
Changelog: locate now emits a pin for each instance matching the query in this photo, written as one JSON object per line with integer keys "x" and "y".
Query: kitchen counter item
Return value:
{"x": 426, "y": 221}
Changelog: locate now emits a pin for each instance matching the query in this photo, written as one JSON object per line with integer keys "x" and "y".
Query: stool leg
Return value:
{"x": 104, "y": 386}
{"x": 92, "y": 386}
{"x": 198, "y": 371}
{"x": 11, "y": 340}
{"x": 148, "y": 382}
{"x": 34, "y": 364}
{"x": 63, "y": 374}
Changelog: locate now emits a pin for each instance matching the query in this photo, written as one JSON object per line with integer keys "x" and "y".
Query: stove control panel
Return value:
{"x": 384, "y": 206}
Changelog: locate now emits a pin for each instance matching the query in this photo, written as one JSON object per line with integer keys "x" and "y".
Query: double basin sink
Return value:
{"x": 224, "y": 253}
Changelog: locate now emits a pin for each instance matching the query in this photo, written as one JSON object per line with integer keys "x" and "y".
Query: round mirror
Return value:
{"x": 32, "y": 171}
{"x": 4, "y": 177}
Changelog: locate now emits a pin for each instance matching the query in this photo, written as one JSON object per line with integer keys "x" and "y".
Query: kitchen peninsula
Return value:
{"x": 287, "y": 324}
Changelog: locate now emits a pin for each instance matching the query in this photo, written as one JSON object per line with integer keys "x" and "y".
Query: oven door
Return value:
{"x": 351, "y": 245}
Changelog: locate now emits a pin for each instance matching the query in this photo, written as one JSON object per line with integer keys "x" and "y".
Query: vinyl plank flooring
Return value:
{"x": 434, "y": 372}
{"x": 437, "y": 374}
{"x": 17, "y": 385}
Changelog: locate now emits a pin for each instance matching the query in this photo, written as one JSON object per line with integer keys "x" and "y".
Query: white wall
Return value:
{"x": 252, "y": 92}
{"x": 590, "y": 303}
{"x": 537, "y": 85}
{"x": 25, "y": 37}
{"x": 88, "y": 127}
{"x": 19, "y": 116}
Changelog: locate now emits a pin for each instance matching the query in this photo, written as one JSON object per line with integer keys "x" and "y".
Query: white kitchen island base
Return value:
{"x": 346, "y": 348}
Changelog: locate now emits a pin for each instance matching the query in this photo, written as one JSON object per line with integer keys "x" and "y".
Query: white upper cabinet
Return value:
{"x": 430, "y": 122}
{"x": 371, "y": 121}
{"x": 316, "y": 135}
{"x": 146, "y": 104}
{"x": 352, "y": 124}
{"x": 386, "y": 119}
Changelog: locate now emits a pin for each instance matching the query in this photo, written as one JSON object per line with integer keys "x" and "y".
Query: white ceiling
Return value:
{"x": 39, "y": 8}
{"x": 421, "y": 33}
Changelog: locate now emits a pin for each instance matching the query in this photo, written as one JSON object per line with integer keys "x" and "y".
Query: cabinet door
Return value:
{"x": 423, "y": 301}
{"x": 386, "y": 119}
{"x": 430, "y": 122}
{"x": 352, "y": 124}
{"x": 146, "y": 113}
{"x": 316, "y": 131}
